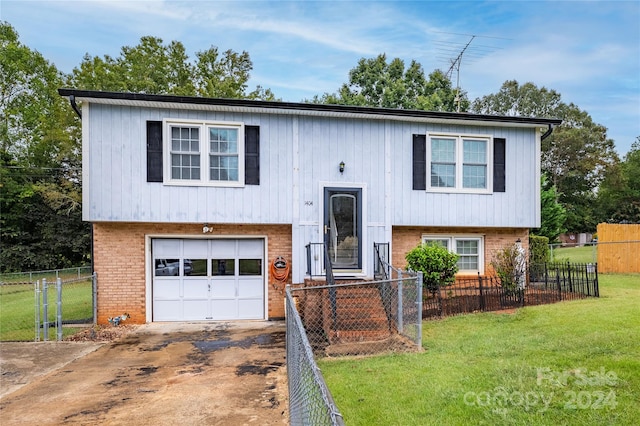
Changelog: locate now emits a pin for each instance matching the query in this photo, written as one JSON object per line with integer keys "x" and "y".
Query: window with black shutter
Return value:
{"x": 154, "y": 151}
{"x": 252, "y": 155}
{"x": 465, "y": 163}
{"x": 203, "y": 153}
{"x": 499, "y": 161}
{"x": 419, "y": 162}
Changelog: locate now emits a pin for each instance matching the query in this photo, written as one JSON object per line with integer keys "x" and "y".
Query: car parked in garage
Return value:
{"x": 171, "y": 267}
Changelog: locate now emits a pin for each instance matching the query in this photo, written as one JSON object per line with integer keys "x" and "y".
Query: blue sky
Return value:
{"x": 587, "y": 51}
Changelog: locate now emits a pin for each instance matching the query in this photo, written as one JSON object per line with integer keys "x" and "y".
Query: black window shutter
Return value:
{"x": 499, "y": 150}
{"x": 419, "y": 162}
{"x": 154, "y": 151}
{"x": 252, "y": 155}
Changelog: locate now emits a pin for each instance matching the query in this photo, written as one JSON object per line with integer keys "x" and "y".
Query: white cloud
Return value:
{"x": 588, "y": 51}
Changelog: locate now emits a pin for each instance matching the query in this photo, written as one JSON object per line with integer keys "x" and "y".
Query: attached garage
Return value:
{"x": 208, "y": 279}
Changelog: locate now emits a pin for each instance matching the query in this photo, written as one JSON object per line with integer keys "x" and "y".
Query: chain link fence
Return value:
{"x": 46, "y": 305}
{"x": 310, "y": 402}
{"x": 349, "y": 318}
{"x": 362, "y": 317}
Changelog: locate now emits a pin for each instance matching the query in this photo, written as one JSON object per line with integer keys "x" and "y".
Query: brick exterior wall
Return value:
{"x": 119, "y": 260}
{"x": 406, "y": 238}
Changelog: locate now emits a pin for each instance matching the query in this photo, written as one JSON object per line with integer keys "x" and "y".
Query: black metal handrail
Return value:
{"x": 314, "y": 250}
{"x": 381, "y": 264}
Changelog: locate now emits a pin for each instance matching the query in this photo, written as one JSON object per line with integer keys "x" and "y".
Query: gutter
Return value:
{"x": 308, "y": 108}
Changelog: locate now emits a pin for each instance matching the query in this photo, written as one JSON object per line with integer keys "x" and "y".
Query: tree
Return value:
{"x": 575, "y": 157}
{"x": 619, "y": 195}
{"x": 156, "y": 68}
{"x": 40, "y": 137}
{"x": 375, "y": 82}
{"x": 39, "y": 155}
{"x": 553, "y": 213}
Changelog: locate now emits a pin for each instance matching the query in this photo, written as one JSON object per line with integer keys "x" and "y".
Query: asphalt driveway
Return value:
{"x": 159, "y": 374}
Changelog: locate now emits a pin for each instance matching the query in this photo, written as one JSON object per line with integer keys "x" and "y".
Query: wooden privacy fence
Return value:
{"x": 618, "y": 248}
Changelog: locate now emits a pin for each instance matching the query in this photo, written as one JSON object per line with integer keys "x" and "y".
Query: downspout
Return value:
{"x": 72, "y": 101}
{"x": 547, "y": 133}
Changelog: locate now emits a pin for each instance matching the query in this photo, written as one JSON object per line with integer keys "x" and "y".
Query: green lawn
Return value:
{"x": 572, "y": 363}
{"x": 584, "y": 254}
{"x": 17, "y": 309}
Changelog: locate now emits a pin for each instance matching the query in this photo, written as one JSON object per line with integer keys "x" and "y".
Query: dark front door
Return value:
{"x": 343, "y": 227}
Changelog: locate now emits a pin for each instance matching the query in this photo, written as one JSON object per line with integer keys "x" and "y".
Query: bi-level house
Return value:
{"x": 204, "y": 209}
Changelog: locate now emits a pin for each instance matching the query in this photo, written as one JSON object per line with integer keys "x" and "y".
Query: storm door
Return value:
{"x": 343, "y": 227}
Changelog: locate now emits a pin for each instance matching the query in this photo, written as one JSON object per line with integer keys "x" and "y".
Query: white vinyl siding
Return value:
{"x": 296, "y": 153}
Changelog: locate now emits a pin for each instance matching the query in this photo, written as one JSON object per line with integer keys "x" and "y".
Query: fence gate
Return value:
{"x": 46, "y": 305}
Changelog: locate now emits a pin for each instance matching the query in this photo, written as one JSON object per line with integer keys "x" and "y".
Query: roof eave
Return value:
{"x": 294, "y": 108}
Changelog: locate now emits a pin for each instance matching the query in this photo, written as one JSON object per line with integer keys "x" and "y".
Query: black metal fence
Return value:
{"x": 547, "y": 283}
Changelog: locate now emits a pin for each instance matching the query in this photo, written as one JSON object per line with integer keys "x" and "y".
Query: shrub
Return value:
{"x": 437, "y": 264}
{"x": 510, "y": 266}
{"x": 538, "y": 249}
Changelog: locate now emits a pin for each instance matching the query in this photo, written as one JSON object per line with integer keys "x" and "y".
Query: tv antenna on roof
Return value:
{"x": 462, "y": 49}
{"x": 456, "y": 64}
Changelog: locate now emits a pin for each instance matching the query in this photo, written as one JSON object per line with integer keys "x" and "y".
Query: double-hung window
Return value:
{"x": 205, "y": 153}
{"x": 459, "y": 163}
{"x": 469, "y": 248}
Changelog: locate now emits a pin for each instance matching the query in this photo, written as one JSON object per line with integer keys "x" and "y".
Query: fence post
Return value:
{"x": 45, "y": 310}
{"x": 59, "y": 308}
{"x": 481, "y": 293}
{"x": 400, "y": 312}
{"x": 546, "y": 276}
{"x": 94, "y": 283}
{"x": 37, "y": 309}
{"x": 419, "y": 284}
{"x": 558, "y": 284}
{"x": 569, "y": 274}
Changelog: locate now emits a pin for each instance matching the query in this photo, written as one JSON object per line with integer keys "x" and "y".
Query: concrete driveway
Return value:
{"x": 159, "y": 374}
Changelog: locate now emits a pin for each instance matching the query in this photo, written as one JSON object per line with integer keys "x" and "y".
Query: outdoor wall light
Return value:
{"x": 206, "y": 228}
{"x": 341, "y": 166}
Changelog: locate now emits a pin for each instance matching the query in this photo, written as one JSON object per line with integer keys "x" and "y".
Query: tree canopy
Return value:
{"x": 375, "y": 82}
{"x": 40, "y": 138}
{"x": 41, "y": 223}
{"x": 576, "y": 156}
{"x": 157, "y": 68}
{"x": 619, "y": 193}
{"x": 40, "y": 217}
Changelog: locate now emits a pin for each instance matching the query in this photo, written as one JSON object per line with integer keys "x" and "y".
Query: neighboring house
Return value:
{"x": 193, "y": 199}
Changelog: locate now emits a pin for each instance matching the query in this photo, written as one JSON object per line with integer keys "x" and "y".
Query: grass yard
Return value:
{"x": 584, "y": 254}
{"x": 574, "y": 363}
{"x": 17, "y": 309}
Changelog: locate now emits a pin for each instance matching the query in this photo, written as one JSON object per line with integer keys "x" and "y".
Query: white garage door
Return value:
{"x": 217, "y": 279}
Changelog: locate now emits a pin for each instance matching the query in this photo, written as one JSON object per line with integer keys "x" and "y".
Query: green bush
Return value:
{"x": 437, "y": 264}
{"x": 510, "y": 266}
{"x": 538, "y": 249}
